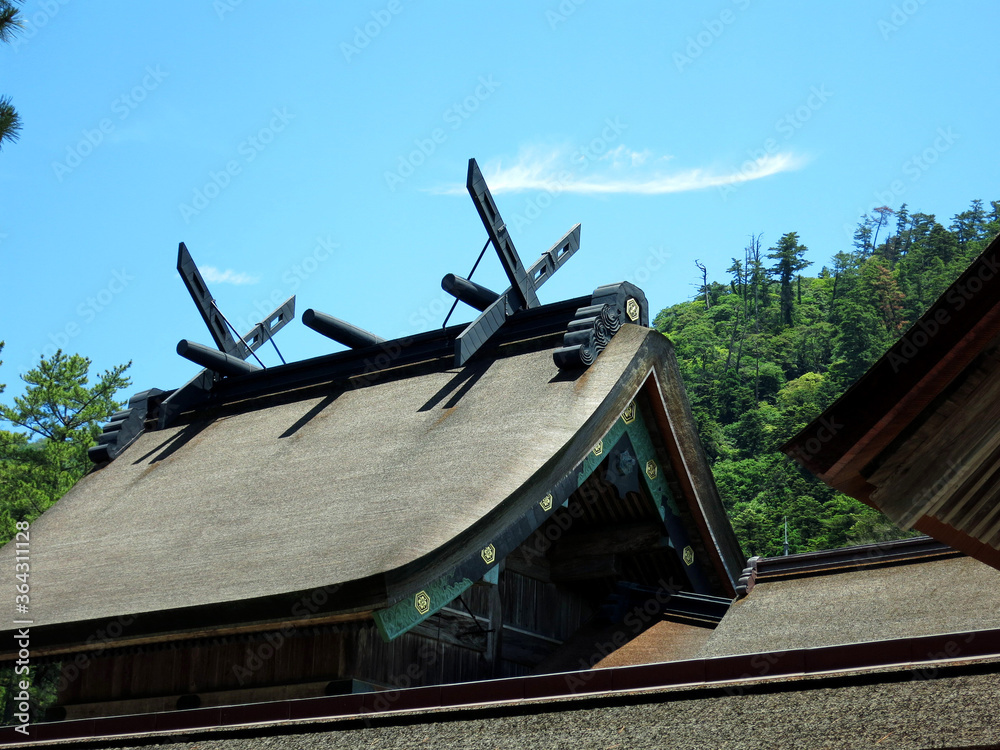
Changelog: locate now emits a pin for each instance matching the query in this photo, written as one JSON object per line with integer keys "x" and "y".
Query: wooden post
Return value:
{"x": 494, "y": 639}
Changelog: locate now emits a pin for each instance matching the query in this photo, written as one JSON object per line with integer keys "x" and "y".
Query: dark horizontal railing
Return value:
{"x": 917, "y": 653}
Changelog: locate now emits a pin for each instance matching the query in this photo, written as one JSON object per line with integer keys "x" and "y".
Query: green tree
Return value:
{"x": 790, "y": 256}
{"x": 861, "y": 336}
{"x": 882, "y": 294}
{"x": 61, "y": 414}
{"x": 969, "y": 226}
{"x": 863, "y": 236}
{"x": 10, "y": 24}
{"x": 883, "y": 213}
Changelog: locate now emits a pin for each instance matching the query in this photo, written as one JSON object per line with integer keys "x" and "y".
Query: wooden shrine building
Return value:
{"x": 507, "y": 534}
{"x": 476, "y": 502}
{"x": 916, "y": 436}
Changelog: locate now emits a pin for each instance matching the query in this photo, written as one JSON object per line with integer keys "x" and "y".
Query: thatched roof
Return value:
{"x": 232, "y": 515}
{"x": 905, "y": 600}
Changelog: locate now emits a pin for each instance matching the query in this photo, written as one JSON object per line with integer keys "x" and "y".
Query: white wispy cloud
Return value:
{"x": 621, "y": 156}
{"x": 618, "y": 171}
{"x": 213, "y": 275}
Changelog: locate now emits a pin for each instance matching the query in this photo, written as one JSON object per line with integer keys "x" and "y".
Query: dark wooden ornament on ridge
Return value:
{"x": 340, "y": 330}
{"x": 125, "y": 426}
{"x": 586, "y": 335}
{"x": 521, "y": 295}
{"x": 228, "y": 358}
{"x": 225, "y": 360}
{"x": 494, "y": 308}
{"x": 610, "y": 308}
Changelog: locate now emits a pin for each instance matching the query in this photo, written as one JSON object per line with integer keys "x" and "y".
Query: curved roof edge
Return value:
{"x": 650, "y": 370}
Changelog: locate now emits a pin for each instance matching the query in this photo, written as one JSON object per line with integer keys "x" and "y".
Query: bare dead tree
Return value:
{"x": 704, "y": 281}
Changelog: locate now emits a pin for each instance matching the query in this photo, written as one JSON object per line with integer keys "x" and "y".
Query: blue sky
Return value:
{"x": 320, "y": 149}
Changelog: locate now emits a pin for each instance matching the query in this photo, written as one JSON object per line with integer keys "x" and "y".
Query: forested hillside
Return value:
{"x": 766, "y": 350}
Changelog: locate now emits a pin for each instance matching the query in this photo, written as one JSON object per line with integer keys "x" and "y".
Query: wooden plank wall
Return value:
{"x": 453, "y": 646}
{"x": 353, "y": 650}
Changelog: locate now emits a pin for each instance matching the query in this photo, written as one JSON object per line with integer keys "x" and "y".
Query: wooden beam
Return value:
{"x": 458, "y": 628}
{"x": 531, "y": 564}
{"x": 184, "y": 635}
{"x": 524, "y": 647}
{"x": 402, "y": 616}
{"x": 455, "y": 628}
{"x": 494, "y": 638}
{"x": 586, "y": 568}
{"x": 624, "y": 540}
